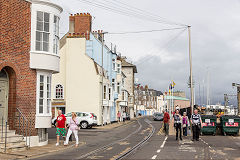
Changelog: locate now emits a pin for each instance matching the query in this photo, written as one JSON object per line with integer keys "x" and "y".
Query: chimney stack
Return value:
{"x": 81, "y": 23}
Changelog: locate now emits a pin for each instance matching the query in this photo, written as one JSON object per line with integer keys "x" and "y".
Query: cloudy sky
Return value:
{"x": 162, "y": 56}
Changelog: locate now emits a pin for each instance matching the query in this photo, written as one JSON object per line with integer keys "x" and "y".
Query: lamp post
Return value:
{"x": 190, "y": 62}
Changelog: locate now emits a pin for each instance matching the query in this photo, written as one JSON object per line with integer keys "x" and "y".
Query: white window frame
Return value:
{"x": 55, "y": 89}
{"x": 46, "y": 94}
{"x": 42, "y": 32}
{"x": 110, "y": 96}
{"x": 56, "y": 34}
{"x": 105, "y": 92}
{"x": 119, "y": 68}
{"x": 114, "y": 65}
{"x": 118, "y": 88}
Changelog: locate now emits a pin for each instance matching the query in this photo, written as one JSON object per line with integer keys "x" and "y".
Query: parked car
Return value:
{"x": 85, "y": 119}
{"x": 158, "y": 116}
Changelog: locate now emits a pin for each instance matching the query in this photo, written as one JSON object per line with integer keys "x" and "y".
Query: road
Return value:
{"x": 114, "y": 143}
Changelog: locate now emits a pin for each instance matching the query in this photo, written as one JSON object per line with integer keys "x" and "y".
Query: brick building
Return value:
{"x": 28, "y": 58}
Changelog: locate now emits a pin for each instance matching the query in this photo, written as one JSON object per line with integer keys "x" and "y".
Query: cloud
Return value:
{"x": 215, "y": 42}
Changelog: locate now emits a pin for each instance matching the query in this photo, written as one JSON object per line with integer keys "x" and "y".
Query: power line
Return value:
{"x": 147, "y": 31}
{"x": 148, "y": 13}
{"x": 171, "y": 41}
{"x": 127, "y": 12}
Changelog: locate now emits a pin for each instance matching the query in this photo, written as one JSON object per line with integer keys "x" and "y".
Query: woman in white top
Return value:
{"x": 73, "y": 128}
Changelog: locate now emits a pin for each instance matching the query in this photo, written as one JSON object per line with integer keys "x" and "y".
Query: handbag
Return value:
{"x": 78, "y": 127}
{"x": 184, "y": 125}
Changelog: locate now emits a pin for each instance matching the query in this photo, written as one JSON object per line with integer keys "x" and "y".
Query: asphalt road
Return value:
{"x": 111, "y": 143}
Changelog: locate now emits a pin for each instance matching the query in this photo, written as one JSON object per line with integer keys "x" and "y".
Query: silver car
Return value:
{"x": 85, "y": 119}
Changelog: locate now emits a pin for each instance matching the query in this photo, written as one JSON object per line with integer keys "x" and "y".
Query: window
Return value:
{"x": 104, "y": 92}
{"x": 118, "y": 68}
{"x": 48, "y": 94}
{"x": 56, "y": 35}
{"x": 42, "y": 33}
{"x": 114, "y": 64}
{"x": 113, "y": 84}
{"x": 44, "y": 94}
{"x": 123, "y": 95}
{"x": 118, "y": 88}
{"x": 109, "y": 93}
{"x": 41, "y": 94}
{"x": 59, "y": 91}
{"x": 42, "y": 134}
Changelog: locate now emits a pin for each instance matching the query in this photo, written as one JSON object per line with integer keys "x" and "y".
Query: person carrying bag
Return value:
{"x": 73, "y": 128}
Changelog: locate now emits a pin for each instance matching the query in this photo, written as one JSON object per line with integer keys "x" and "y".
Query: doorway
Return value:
{"x": 4, "y": 95}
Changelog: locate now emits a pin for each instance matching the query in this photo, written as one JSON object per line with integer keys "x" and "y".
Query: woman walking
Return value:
{"x": 185, "y": 123}
{"x": 177, "y": 124}
{"x": 73, "y": 128}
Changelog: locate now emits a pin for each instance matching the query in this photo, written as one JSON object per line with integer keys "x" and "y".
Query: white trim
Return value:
{"x": 55, "y": 92}
{"x": 45, "y": 74}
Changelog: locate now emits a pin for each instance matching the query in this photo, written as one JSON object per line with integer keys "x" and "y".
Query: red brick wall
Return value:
{"x": 15, "y": 39}
{"x": 82, "y": 23}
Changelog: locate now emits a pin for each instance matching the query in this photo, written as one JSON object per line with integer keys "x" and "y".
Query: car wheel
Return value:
{"x": 84, "y": 125}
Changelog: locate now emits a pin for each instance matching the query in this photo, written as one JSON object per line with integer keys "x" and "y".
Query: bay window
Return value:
{"x": 56, "y": 35}
{"x": 44, "y": 94}
{"x": 42, "y": 31}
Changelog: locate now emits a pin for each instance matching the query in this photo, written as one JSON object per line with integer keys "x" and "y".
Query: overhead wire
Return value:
{"x": 118, "y": 2}
{"x": 120, "y": 10}
{"x": 168, "y": 44}
{"x": 147, "y": 31}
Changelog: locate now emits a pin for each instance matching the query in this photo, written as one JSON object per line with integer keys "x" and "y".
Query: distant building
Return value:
{"x": 129, "y": 71}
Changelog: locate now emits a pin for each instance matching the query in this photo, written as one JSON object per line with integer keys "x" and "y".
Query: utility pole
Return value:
{"x": 190, "y": 62}
{"x": 102, "y": 107}
{"x": 238, "y": 95}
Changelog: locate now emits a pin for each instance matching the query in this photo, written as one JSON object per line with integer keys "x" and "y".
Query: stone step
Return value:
{"x": 14, "y": 148}
{"x": 12, "y": 144}
{"x": 12, "y": 138}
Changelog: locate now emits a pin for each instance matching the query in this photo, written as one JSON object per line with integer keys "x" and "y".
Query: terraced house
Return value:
{"x": 28, "y": 58}
{"x": 87, "y": 72}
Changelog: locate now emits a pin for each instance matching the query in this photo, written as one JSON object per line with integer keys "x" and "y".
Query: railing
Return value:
{"x": 20, "y": 124}
{"x": 23, "y": 127}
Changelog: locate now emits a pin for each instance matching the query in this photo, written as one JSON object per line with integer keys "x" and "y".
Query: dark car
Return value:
{"x": 158, "y": 116}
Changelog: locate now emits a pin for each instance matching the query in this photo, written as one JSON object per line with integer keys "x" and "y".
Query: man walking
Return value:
{"x": 166, "y": 121}
{"x": 61, "y": 126}
{"x": 196, "y": 125}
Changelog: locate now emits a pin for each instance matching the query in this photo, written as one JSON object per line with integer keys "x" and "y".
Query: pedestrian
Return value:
{"x": 185, "y": 123}
{"x": 166, "y": 121}
{"x": 177, "y": 124}
{"x": 124, "y": 116}
{"x": 196, "y": 125}
{"x": 61, "y": 126}
{"x": 73, "y": 128}
{"x": 119, "y": 116}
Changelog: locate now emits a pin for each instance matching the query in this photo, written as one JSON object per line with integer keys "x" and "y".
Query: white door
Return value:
{"x": 3, "y": 100}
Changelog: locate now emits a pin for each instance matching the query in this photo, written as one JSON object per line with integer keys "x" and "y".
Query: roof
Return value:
{"x": 127, "y": 64}
{"x": 176, "y": 98}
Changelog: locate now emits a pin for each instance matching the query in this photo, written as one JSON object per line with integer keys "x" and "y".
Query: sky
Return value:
{"x": 163, "y": 56}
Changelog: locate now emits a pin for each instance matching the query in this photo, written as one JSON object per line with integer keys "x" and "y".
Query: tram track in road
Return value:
{"x": 128, "y": 150}
{"x": 137, "y": 146}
